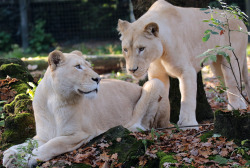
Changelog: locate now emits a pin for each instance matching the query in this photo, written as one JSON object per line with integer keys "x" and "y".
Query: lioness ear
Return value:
{"x": 151, "y": 29}
{"x": 122, "y": 25}
{"x": 55, "y": 59}
{"x": 77, "y": 52}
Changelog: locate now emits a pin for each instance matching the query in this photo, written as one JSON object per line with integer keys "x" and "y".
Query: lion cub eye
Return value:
{"x": 125, "y": 50}
{"x": 141, "y": 49}
{"x": 78, "y": 66}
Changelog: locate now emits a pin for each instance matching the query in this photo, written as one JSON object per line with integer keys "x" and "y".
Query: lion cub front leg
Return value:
{"x": 148, "y": 106}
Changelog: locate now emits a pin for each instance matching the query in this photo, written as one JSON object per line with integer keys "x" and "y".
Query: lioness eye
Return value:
{"x": 141, "y": 49}
{"x": 125, "y": 50}
{"x": 78, "y": 66}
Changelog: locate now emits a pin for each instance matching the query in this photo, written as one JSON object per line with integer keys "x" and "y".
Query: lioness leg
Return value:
{"x": 188, "y": 89}
{"x": 147, "y": 107}
{"x": 235, "y": 99}
{"x": 11, "y": 153}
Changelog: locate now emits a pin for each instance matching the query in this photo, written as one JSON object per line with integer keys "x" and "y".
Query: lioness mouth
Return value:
{"x": 82, "y": 92}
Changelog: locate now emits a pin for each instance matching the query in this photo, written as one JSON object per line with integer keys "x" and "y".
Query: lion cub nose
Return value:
{"x": 133, "y": 70}
{"x": 97, "y": 80}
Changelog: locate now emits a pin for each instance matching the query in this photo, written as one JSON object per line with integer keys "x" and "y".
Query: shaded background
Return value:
{"x": 66, "y": 22}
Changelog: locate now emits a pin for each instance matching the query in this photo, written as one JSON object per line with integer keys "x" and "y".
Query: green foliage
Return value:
{"x": 243, "y": 149}
{"x": 154, "y": 134}
{"x": 221, "y": 160}
{"x": 25, "y": 153}
{"x": 229, "y": 12}
{"x": 16, "y": 52}
{"x": 40, "y": 41}
{"x": 32, "y": 91}
{"x": 5, "y": 41}
{"x": 120, "y": 76}
{"x": 211, "y": 54}
{"x": 109, "y": 49}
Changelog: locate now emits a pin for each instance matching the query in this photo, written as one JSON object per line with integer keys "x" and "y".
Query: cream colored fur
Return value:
{"x": 66, "y": 117}
{"x": 166, "y": 41}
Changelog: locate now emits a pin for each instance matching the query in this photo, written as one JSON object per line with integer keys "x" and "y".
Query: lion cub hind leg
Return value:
{"x": 146, "y": 110}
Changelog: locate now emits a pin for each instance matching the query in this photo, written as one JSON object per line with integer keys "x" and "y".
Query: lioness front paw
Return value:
{"x": 9, "y": 156}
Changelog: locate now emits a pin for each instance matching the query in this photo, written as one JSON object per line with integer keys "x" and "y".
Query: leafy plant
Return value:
{"x": 25, "y": 153}
{"x": 40, "y": 41}
{"x": 219, "y": 28}
{"x": 5, "y": 41}
{"x": 16, "y": 52}
{"x": 242, "y": 150}
{"x": 32, "y": 91}
{"x": 222, "y": 160}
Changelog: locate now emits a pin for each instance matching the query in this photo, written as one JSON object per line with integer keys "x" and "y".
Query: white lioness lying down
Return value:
{"x": 67, "y": 113}
{"x": 166, "y": 41}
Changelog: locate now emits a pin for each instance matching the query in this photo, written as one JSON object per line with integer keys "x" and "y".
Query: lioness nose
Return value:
{"x": 133, "y": 70}
{"x": 97, "y": 80}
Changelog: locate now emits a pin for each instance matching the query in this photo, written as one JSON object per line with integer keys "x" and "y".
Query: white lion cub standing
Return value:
{"x": 71, "y": 106}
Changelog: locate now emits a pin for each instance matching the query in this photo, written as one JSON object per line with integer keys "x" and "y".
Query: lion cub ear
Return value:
{"x": 122, "y": 26}
{"x": 151, "y": 29}
{"x": 55, "y": 59}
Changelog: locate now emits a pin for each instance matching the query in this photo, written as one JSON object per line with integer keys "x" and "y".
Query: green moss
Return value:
{"x": 20, "y": 87}
{"x": 23, "y": 105}
{"x": 18, "y": 128}
{"x": 11, "y": 60}
{"x": 206, "y": 135}
{"x": 10, "y": 108}
{"x": 15, "y": 71}
{"x": 165, "y": 158}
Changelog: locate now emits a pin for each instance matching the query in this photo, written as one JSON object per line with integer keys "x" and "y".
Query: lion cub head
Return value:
{"x": 72, "y": 75}
{"x": 141, "y": 45}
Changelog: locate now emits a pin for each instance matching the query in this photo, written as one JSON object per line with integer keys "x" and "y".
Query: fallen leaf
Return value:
{"x": 114, "y": 156}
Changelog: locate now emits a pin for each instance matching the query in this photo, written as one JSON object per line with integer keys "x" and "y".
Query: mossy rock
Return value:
{"x": 232, "y": 125}
{"x": 12, "y": 61}
{"x": 18, "y": 128}
{"x": 10, "y": 108}
{"x": 15, "y": 71}
{"x": 128, "y": 149}
{"x": 24, "y": 105}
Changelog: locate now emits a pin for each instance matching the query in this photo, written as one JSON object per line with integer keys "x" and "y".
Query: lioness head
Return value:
{"x": 72, "y": 75}
{"x": 140, "y": 46}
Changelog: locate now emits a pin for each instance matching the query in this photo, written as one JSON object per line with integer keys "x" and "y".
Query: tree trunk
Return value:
{"x": 23, "y": 7}
{"x": 203, "y": 109}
